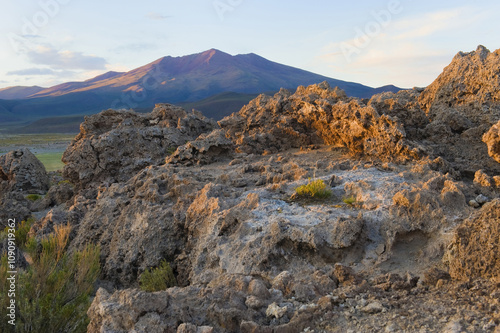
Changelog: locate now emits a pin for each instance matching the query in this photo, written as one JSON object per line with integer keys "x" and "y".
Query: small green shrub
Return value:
{"x": 157, "y": 279}
{"x": 33, "y": 197}
{"x": 53, "y": 293}
{"x": 313, "y": 189}
{"x": 64, "y": 182}
{"x": 22, "y": 231}
{"x": 349, "y": 200}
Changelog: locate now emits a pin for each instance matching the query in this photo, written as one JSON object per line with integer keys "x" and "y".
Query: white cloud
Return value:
{"x": 406, "y": 52}
{"x": 55, "y": 59}
{"x": 157, "y": 16}
{"x": 32, "y": 71}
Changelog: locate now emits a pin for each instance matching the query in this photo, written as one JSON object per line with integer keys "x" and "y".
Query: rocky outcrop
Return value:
{"x": 21, "y": 171}
{"x": 316, "y": 114}
{"x": 492, "y": 140}
{"x": 468, "y": 87}
{"x": 206, "y": 149}
{"x": 114, "y": 145}
{"x": 403, "y": 170}
{"x": 474, "y": 250}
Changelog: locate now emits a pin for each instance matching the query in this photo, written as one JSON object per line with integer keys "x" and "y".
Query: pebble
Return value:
{"x": 474, "y": 203}
{"x": 481, "y": 199}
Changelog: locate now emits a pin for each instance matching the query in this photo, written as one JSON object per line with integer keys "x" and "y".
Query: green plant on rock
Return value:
{"x": 159, "y": 278}
{"x": 351, "y": 200}
{"x": 314, "y": 189}
{"x": 53, "y": 293}
{"x": 33, "y": 197}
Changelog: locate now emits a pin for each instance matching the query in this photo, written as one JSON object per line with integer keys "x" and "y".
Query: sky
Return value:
{"x": 402, "y": 42}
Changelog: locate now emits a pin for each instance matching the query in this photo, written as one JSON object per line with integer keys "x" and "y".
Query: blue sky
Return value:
{"x": 401, "y": 42}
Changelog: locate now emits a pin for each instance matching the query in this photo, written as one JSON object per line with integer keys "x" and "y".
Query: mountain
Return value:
{"x": 19, "y": 92}
{"x": 173, "y": 80}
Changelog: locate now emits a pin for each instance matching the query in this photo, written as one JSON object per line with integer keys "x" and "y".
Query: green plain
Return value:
{"x": 51, "y": 161}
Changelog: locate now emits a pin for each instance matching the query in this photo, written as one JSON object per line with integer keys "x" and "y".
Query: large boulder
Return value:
{"x": 21, "y": 171}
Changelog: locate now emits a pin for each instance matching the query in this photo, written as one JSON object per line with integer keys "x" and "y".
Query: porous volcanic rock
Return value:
{"x": 114, "y": 145}
{"x": 492, "y": 140}
{"x": 251, "y": 255}
{"x": 21, "y": 171}
{"x": 206, "y": 149}
{"x": 474, "y": 250}
{"x": 313, "y": 115}
{"x": 468, "y": 85}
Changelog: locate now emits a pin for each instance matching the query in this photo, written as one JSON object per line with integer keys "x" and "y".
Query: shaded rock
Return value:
{"x": 57, "y": 195}
{"x": 45, "y": 226}
{"x": 123, "y": 311}
{"x": 207, "y": 148}
{"x": 492, "y": 140}
{"x": 133, "y": 238}
{"x": 403, "y": 106}
{"x": 113, "y": 145}
{"x": 13, "y": 205}
{"x": 20, "y": 170}
{"x": 433, "y": 275}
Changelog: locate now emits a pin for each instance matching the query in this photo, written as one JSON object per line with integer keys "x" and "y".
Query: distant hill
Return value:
{"x": 176, "y": 80}
{"x": 19, "y": 92}
{"x": 220, "y": 105}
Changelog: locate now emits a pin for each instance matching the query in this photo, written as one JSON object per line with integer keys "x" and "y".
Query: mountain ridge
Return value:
{"x": 174, "y": 80}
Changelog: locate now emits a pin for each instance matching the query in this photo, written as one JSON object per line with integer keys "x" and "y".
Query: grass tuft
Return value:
{"x": 159, "y": 278}
{"x": 33, "y": 197}
{"x": 351, "y": 200}
{"x": 314, "y": 189}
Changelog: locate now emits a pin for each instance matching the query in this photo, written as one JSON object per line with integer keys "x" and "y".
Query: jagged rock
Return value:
{"x": 403, "y": 106}
{"x": 13, "y": 205}
{"x": 249, "y": 257}
{"x": 474, "y": 250}
{"x": 316, "y": 114}
{"x": 57, "y": 195}
{"x": 492, "y": 140}
{"x": 206, "y": 149}
{"x": 274, "y": 310}
{"x": 45, "y": 226}
{"x": 468, "y": 85}
{"x": 113, "y": 145}
{"x": 135, "y": 223}
{"x": 20, "y": 170}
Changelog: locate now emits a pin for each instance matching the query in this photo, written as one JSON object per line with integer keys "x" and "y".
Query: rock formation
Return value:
{"x": 413, "y": 179}
{"x": 317, "y": 114}
{"x": 21, "y": 173}
{"x": 143, "y": 140}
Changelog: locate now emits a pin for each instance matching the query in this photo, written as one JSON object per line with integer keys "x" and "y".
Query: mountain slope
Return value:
{"x": 19, "y": 92}
{"x": 174, "y": 80}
